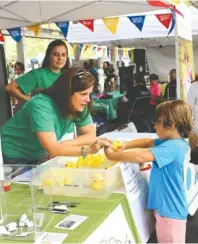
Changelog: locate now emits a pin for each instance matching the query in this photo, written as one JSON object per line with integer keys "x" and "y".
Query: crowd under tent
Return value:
{"x": 25, "y": 13}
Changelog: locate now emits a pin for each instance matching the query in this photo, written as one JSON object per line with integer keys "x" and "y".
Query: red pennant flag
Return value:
{"x": 165, "y": 19}
{"x": 164, "y": 5}
{"x": 1, "y": 37}
{"x": 88, "y": 23}
{"x": 86, "y": 47}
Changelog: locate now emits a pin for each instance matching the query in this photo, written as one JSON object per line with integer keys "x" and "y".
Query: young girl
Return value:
{"x": 166, "y": 192}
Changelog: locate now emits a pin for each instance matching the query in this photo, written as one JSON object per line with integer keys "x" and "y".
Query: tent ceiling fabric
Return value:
{"x": 21, "y": 13}
{"x": 127, "y": 35}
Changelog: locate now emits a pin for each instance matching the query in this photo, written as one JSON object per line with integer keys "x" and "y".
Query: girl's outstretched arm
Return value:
{"x": 134, "y": 156}
{"x": 139, "y": 143}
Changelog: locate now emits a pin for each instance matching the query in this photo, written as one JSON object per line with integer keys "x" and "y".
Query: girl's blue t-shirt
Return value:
{"x": 166, "y": 190}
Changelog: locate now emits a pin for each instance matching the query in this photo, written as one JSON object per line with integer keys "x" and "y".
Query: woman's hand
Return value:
{"x": 98, "y": 144}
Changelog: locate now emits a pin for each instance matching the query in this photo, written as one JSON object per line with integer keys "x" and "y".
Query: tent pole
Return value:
{"x": 178, "y": 85}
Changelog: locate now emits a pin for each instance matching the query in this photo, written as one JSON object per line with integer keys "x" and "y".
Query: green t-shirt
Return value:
{"x": 37, "y": 78}
{"x": 39, "y": 114}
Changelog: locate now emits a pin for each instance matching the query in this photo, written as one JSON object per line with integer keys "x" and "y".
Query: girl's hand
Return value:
{"x": 109, "y": 153}
{"x": 98, "y": 144}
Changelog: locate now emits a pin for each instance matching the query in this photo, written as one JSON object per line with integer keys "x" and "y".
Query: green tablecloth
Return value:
{"x": 107, "y": 106}
{"x": 97, "y": 211}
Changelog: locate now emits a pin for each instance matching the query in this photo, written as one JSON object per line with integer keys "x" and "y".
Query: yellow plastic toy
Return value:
{"x": 98, "y": 182}
{"x": 107, "y": 166}
{"x": 67, "y": 181}
{"x": 47, "y": 182}
{"x": 90, "y": 161}
{"x": 116, "y": 145}
{"x": 97, "y": 185}
{"x": 61, "y": 183}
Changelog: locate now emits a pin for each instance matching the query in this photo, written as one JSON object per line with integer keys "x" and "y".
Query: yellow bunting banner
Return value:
{"x": 111, "y": 24}
{"x": 74, "y": 46}
{"x": 35, "y": 28}
{"x": 70, "y": 50}
{"x": 87, "y": 52}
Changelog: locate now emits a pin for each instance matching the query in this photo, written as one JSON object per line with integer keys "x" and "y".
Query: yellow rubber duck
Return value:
{"x": 67, "y": 181}
{"x": 47, "y": 182}
{"x": 107, "y": 166}
{"x": 98, "y": 182}
{"x": 97, "y": 185}
{"x": 61, "y": 183}
{"x": 116, "y": 145}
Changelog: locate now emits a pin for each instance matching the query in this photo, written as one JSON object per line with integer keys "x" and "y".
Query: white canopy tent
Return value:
{"x": 19, "y": 13}
{"x": 154, "y": 37}
{"x": 127, "y": 35}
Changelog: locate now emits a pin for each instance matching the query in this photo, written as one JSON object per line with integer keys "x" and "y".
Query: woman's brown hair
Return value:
{"x": 71, "y": 81}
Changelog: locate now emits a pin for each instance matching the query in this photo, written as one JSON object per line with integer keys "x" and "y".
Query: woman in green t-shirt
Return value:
{"x": 36, "y": 130}
{"x": 55, "y": 61}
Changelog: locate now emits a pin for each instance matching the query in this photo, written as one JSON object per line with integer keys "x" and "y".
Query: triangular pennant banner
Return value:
{"x": 163, "y": 5}
{"x": 80, "y": 47}
{"x": 173, "y": 22}
{"x": 138, "y": 21}
{"x": 111, "y": 24}
{"x": 64, "y": 26}
{"x": 94, "y": 50}
{"x": 15, "y": 34}
{"x": 1, "y": 37}
{"x": 165, "y": 19}
{"x": 99, "y": 48}
{"x": 74, "y": 46}
{"x": 86, "y": 48}
{"x": 88, "y": 23}
{"x": 35, "y": 28}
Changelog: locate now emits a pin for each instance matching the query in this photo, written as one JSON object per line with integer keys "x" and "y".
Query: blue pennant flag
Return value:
{"x": 80, "y": 47}
{"x": 64, "y": 26}
{"x": 94, "y": 50}
{"x": 138, "y": 21}
{"x": 173, "y": 22}
{"x": 15, "y": 34}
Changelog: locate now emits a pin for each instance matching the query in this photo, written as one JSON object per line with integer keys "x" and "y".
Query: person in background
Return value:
{"x": 86, "y": 65}
{"x": 10, "y": 71}
{"x": 170, "y": 91}
{"x": 37, "y": 129}
{"x": 19, "y": 69}
{"x": 101, "y": 77}
{"x": 136, "y": 90}
{"x": 94, "y": 72}
{"x": 55, "y": 61}
{"x": 167, "y": 195}
{"x": 155, "y": 89}
{"x": 192, "y": 99}
{"x": 139, "y": 90}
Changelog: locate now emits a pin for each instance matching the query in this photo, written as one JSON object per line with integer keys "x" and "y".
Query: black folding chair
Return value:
{"x": 141, "y": 115}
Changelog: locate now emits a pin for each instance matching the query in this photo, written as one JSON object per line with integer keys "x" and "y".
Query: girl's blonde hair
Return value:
{"x": 178, "y": 113}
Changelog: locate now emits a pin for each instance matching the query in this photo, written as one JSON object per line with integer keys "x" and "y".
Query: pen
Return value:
{"x": 66, "y": 203}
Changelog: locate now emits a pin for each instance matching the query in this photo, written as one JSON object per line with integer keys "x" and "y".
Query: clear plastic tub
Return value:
{"x": 80, "y": 182}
